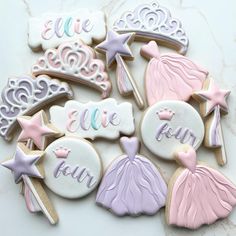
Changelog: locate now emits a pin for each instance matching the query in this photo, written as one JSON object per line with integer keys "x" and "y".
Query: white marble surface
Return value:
{"x": 211, "y": 28}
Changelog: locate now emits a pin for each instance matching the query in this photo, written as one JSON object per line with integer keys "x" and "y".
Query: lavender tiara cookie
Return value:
{"x": 25, "y": 95}
{"x": 154, "y": 22}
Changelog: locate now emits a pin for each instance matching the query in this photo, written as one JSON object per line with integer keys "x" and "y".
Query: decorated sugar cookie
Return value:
{"x": 25, "y": 167}
{"x": 72, "y": 167}
{"x": 132, "y": 185}
{"x": 197, "y": 194}
{"x": 170, "y": 76}
{"x": 52, "y": 29}
{"x": 116, "y": 47}
{"x": 105, "y": 119}
{"x": 170, "y": 124}
{"x": 74, "y": 61}
{"x": 212, "y": 104}
{"x": 25, "y": 95}
{"x": 150, "y": 21}
{"x": 36, "y": 129}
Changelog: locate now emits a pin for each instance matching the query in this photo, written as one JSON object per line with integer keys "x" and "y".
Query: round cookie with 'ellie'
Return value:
{"x": 72, "y": 167}
{"x": 170, "y": 124}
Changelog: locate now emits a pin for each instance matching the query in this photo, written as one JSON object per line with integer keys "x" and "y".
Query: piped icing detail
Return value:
{"x": 52, "y": 29}
{"x": 132, "y": 185}
{"x": 116, "y": 47}
{"x": 200, "y": 195}
{"x": 213, "y": 103}
{"x": 77, "y": 62}
{"x": 24, "y": 163}
{"x": 37, "y": 129}
{"x": 25, "y": 95}
{"x": 105, "y": 119}
{"x": 170, "y": 76}
{"x": 152, "y": 21}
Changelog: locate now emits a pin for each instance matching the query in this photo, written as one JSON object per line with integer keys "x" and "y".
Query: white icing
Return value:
{"x": 120, "y": 116}
{"x": 81, "y": 154}
{"x": 183, "y": 116}
{"x": 92, "y": 21}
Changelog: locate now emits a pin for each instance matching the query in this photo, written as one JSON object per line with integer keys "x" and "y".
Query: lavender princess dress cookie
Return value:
{"x": 132, "y": 185}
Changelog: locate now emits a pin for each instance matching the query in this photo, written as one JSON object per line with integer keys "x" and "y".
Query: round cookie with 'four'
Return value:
{"x": 72, "y": 167}
{"x": 169, "y": 124}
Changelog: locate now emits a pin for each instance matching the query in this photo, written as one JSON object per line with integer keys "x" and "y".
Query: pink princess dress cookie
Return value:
{"x": 132, "y": 185}
{"x": 198, "y": 194}
{"x": 170, "y": 76}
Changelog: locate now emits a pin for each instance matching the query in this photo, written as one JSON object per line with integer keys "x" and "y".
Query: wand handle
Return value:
{"x": 214, "y": 136}
{"x": 126, "y": 83}
{"x": 35, "y": 196}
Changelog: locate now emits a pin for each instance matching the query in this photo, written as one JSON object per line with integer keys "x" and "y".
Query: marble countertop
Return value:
{"x": 211, "y": 28}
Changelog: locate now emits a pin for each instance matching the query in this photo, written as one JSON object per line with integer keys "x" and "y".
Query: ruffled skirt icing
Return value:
{"x": 200, "y": 198}
{"x": 132, "y": 187}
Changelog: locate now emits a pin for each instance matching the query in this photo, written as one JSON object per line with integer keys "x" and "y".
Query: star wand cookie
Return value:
{"x": 116, "y": 48}
{"x": 212, "y": 104}
{"x": 26, "y": 163}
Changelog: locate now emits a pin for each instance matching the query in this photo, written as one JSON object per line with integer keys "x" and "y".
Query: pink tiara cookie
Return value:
{"x": 76, "y": 62}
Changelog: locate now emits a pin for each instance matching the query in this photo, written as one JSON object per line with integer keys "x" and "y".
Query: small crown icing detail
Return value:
{"x": 62, "y": 152}
{"x": 24, "y": 95}
{"x": 74, "y": 61}
{"x": 152, "y": 21}
{"x": 165, "y": 114}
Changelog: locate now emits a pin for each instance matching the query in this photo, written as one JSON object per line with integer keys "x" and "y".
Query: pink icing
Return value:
{"x": 69, "y": 26}
{"x": 214, "y": 96}
{"x": 34, "y": 129}
{"x": 77, "y": 62}
{"x": 170, "y": 76}
{"x": 188, "y": 159}
{"x": 200, "y": 195}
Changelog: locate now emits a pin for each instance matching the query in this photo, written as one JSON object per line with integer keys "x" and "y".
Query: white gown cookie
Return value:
{"x": 72, "y": 167}
{"x": 169, "y": 124}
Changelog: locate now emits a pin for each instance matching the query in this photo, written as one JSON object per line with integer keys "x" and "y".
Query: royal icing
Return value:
{"x": 105, "y": 119}
{"x": 36, "y": 128}
{"x": 132, "y": 185}
{"x": 72, "y": 167}
{"x": 77, "y": 62}
{"x": 115, "y": 47}
{"x": 170, "y": 124}
{"x": 25, "y": 168}
{"x": 52, "y": 29}
{"x": 24, "y": 163}
{"x": 198, "y": 194}
{"x": 212, "y": 102}
{"x": 25, "y": 95}
{"x": 170, "y": 76}
{"x": 152, "y": 21}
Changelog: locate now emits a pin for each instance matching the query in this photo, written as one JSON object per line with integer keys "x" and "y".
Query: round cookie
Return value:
{"x": 168, "y": 124}
{"x": 72, "y": 167}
